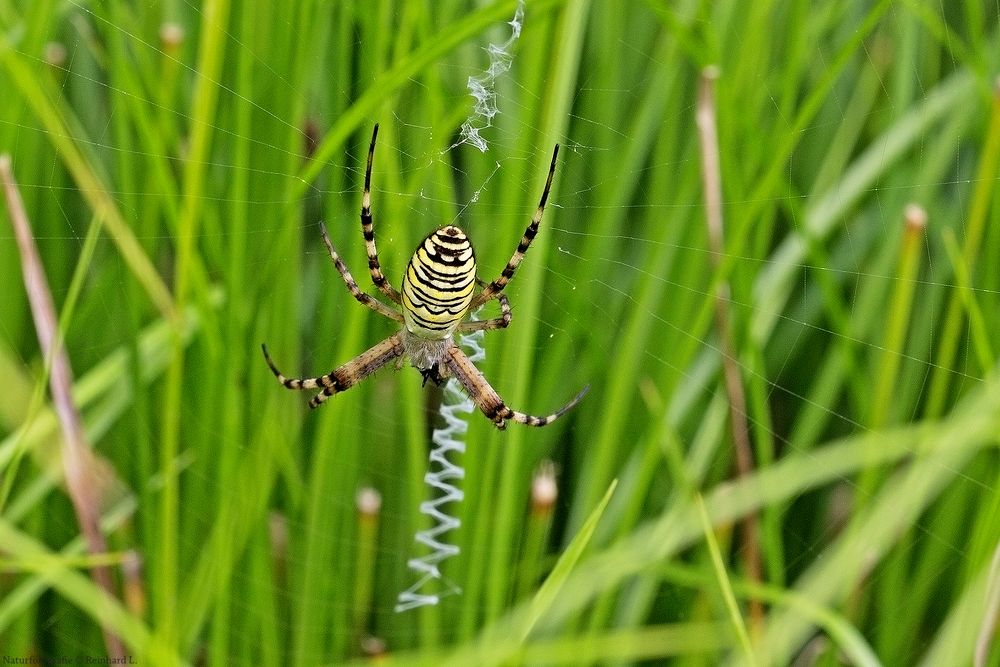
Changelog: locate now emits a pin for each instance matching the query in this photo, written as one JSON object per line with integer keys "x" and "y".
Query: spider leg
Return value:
{"x": 488, "y": 400}
{"x": 352, "y": 285}
{"x": 368, "y": 229}
{"x": 346, "y": 376}
{"x": 501, "y": 322}
{"x": 522, "y": 247}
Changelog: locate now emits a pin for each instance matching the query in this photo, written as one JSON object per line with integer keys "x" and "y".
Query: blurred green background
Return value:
{"x": 175, "y": 159}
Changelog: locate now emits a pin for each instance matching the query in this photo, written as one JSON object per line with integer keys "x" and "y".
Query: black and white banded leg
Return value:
{"x": 352, "y": 285}
{"x": 501, "y": 322}
{"x": 529, "y": 235}
{"x": 346, "y": 376}
{"x": 488, "y": 400}
{"x": 368, "y": 229}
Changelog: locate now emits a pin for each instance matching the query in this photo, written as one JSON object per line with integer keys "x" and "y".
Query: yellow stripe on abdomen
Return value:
{"x": 438, "y": 284}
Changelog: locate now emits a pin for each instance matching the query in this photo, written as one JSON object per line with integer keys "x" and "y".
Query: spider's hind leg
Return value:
{"x": 368, "y": 229}
{"x": 529, "y": 235}
{"x": 352, "y": 285}
{"x": 501, "y": 322}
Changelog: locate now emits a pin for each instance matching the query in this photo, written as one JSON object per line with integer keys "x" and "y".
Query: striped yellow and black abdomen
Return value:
{"x": 438, "y": 285}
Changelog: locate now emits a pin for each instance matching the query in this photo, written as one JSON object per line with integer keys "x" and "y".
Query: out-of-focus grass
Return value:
{"x": 202, "y": 159}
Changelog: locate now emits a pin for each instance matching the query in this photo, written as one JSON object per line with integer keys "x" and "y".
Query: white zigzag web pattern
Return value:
{"x": 482, "y": 87}
{"x": 455, "y": 408}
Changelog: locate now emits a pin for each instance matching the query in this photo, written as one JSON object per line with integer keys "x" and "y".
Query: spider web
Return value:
{"x": 442, "y": 477}
{"x": 620, "y": 270}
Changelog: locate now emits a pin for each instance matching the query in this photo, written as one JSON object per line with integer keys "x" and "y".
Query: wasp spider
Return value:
{"x": 438, "y": 292}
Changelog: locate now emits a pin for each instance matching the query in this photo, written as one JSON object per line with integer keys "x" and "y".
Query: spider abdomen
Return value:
{"x": 438, "y": 284}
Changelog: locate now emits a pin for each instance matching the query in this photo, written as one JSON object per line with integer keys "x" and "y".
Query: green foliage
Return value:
{"x": 175, "y": 178}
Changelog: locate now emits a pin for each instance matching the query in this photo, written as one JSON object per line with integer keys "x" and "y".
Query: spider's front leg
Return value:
{"x": 346, "y": 376}
{"x": 488, "y": 400}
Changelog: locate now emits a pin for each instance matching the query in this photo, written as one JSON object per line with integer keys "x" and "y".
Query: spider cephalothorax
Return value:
{"x": 437, "y": 294}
